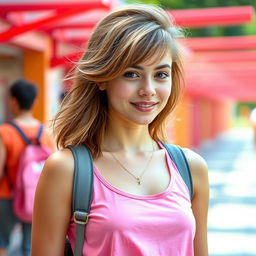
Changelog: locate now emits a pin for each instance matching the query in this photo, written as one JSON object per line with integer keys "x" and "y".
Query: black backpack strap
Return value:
{"x": 177, "y": 155}
{"x": 82, "y": 192}
{"x": 23, "y": 135}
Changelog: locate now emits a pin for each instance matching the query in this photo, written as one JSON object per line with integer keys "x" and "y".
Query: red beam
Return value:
{"x": 9, "y": 6}
{"x": 60, "y": 15}
{"x": 220, "y": 43}
{"x": 239, "y": 89}
{"x": 225, "y": 56}
{"x": 85, "y": 20}
{"x": 87, "y": 25}
{"x": 73, "y": 42}
{"x": 213, "y": 16}
{"x": 222, "y": 81}
{"x": 72, "y": 34}
{"x": 193, "y": 17}
{"x": 67, "y": 60}
{"x": 229, "y": 43}
{"x": 239, "y": 66}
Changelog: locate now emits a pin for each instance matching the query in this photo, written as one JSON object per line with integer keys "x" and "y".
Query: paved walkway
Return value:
{"x": 232, "y": 210}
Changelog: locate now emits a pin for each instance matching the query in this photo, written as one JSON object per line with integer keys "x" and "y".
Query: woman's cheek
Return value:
{"x": 165, "y": 91}
{"x": 125, "y": 91}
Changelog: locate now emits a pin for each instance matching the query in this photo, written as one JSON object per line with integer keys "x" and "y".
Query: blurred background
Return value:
{"x": 41, "y": 40}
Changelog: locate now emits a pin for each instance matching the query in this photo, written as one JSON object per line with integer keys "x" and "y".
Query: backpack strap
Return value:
{"x": 23, "y": 135}
{"x": 82, "y": 192}
{"x": 177, "y": 155}
{"x": 39, "y": 134}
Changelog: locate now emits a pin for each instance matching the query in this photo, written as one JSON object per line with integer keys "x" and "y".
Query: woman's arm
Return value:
{"x": 2, "y": 157}
{"x": 199, "y": 172}
{"x": 52, "y": 208}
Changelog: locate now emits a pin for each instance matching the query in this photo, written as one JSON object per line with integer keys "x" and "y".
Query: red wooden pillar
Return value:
{"x": 182, "y": 123}
{"x": 195, "y": 122}
{"x": 35, "y": 69}
{"x": 205, "y": 119}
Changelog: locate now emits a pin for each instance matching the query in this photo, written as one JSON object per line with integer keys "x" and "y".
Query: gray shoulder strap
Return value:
{"x": 82, "y": 192}
{"x": 179, "y": 158}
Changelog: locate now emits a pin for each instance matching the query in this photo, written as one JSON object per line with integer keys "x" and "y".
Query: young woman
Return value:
{"x": 126, "y": 84}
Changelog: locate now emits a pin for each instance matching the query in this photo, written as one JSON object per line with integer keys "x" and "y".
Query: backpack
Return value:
{"x": 83, "y": 188}
{"x": 30, "y": 166}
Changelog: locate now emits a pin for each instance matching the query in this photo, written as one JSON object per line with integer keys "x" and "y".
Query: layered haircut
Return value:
{"x": 125, "y": 37}
{"x": 25, "y": 93}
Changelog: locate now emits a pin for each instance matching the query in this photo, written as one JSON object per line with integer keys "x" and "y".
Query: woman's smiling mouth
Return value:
{"x": 144, "y": 106}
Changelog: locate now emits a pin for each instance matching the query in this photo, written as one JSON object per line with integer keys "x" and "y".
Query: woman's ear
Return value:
{"x": 102, "y": 86}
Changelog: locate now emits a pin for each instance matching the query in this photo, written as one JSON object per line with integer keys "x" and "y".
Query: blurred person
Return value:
{"x": 22, "y": 96}
{"x": 125, "y": 86}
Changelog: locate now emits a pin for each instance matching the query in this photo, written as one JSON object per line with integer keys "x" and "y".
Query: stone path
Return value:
{"x": 232, "y": 210}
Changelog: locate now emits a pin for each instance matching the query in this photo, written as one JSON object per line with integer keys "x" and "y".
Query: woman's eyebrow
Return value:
{"x": 163, "y": 66}
{"x": 137, "y": 67}
{"x": 158, "y": 67}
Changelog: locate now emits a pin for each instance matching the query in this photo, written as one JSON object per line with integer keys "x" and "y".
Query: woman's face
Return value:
{"x": 141, "y": 92}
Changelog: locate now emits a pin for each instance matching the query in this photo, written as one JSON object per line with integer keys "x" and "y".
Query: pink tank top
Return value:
{"x": 123, "y": 224}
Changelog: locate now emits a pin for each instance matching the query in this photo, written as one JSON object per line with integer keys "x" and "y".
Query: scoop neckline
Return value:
{"x": 170, "y": 167}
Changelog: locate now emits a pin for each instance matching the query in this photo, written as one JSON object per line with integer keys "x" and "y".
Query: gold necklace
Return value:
{"x": 138, "y": 179}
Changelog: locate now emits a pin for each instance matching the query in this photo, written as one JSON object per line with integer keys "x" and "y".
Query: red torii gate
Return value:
{"x": 57, "y": 16}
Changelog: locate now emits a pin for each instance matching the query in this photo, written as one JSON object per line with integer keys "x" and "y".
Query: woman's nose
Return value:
{"x": 147, "y": 88}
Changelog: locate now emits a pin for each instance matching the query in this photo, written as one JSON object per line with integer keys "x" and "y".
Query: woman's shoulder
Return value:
{"x": 199, "y": 172}
{"x": 56, "y": 179}
{"x": 197, "y": 164}
{"x": 61, "y": 162}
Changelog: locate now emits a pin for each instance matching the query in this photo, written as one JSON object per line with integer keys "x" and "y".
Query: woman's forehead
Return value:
{"x": 156, "y": 59}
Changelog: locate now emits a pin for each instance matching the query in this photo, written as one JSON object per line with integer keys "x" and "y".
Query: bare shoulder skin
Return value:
{"x": 52, "y": 208}
{"x": 199, "y": 172}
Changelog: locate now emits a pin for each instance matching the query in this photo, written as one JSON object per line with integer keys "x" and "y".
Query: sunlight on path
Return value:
{"x": 232, "y": 210}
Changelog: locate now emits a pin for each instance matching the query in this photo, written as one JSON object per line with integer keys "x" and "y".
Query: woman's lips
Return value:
{"x": 144, "y": 106}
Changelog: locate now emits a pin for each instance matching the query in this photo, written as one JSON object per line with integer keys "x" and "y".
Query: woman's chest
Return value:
{"x": 163, "y": 215}
{"x": 137, "y": 180}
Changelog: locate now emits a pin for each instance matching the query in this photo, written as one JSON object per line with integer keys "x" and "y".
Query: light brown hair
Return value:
{"x": 125, "y": 37}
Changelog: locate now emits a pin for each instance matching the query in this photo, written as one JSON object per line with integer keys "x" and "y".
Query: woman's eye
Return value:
{"x": 130, "y": 74}
{"x": 162, "y": 75}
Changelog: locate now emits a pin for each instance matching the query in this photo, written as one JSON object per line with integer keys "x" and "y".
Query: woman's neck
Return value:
{"x": 127, "y": 139}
